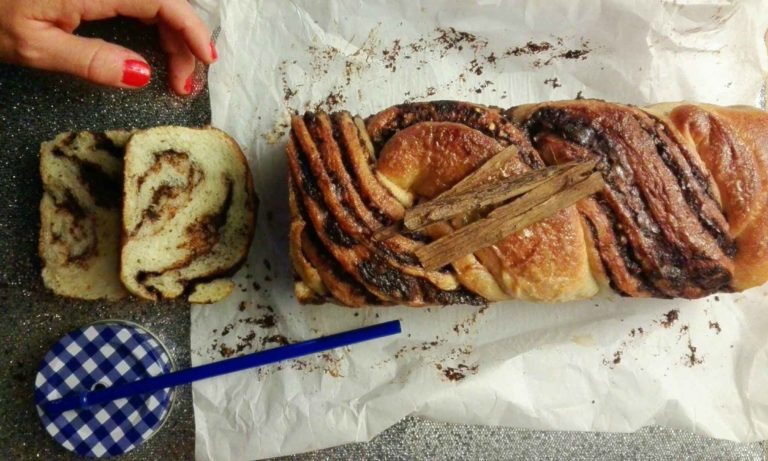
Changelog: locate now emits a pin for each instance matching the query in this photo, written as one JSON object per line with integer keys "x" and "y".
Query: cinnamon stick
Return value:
{"x": 560, "y": 191}
{"x": 454, "y": 203}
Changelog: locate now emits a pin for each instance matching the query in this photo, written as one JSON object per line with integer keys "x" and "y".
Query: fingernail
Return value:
{"x": 214, "y": 54}
{"x": 136, "y": 73}
{"x": 188, "y": 84}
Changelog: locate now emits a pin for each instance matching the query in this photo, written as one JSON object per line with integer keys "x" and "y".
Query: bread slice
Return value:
{"x": 210, "y": 292}
{"x": 188, "y": 211}
{"x": 80, "y": 214}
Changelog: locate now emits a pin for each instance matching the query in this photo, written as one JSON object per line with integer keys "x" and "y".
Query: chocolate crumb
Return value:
{"x": 276, "y": 339}
{"x": 267, "y": 278}
{"x": 226, "y": 351}
{"x": 246, "y": 342}
{"x": 267, "y": 264}
{"x": 579, "y": 95}
{"x": 715, "y": 326}
{"x": 528, "y": 48}
{"x": 691, "y": 358}
{"x": 227, "y": 329}
{"x": 267, "y": 321}
{"x": 555, "y": 82}
{"x": 717, "y": 298}
{"x": 670, "y": 318}
{"x": 256, "y": 286}
{"x": 242, "y": 306}
{"x": 617, "y": 357}
{"x": 475, "y": 67}
{"x": 391, "y": 55}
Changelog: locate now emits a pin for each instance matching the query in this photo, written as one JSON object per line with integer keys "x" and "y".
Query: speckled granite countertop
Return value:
{"x": 34, "y": 106}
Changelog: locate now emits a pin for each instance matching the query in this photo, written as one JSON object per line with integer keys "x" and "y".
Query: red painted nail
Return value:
{"x": 136, "y": 73}
{"x": 214, "y": 54}
{"x": 188, "y": 85}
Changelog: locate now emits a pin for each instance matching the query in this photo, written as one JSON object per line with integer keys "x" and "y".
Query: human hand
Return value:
{"x": 38, "y": 33}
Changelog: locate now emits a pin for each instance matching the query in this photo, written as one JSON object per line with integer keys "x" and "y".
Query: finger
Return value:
{"x": 92, "y": 59}
{"x": 181, "y": 61}
{"x": 178, "y": 14}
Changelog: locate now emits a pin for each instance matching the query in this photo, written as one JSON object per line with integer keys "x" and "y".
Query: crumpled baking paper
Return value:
{"x": 607, "y": 364}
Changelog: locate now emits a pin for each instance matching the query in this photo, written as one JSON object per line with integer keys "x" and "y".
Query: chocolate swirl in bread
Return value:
{"x": 188, "y": 212}
{"x": 682, "y": 213}
{"x": 80, "y": 214}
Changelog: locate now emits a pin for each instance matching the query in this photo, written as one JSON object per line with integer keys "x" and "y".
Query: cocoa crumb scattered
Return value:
{"x": 717, "y": 298}
{"x": 246, "y": 342}
{"x": 431, "y": 91}
{"x": 450, "y": 38}
{"x": 276, "y": 339}
{"x": 475, "y": 67}
{"x": 267, "y": 278}
{"x": 458, "y": 373}
{"x": 579, "y": 95}
{"x": 554, "y": 82}
{"x": 225, "y": 351}
{"x": 267, "y": 264}
{"x": 227, "y": 329}
{"x": 491, "y": 58}
{"x": 256, "y": 286}
{"x": 715, "y": 326}
{"x": 670, "y": 318}
{"x": 266, "y": 321}
{"x": 288, "y": 93}
{"x": 691, "y": 358}
{"x": 575, "y": 54}
{"x": 242, "y": 306}
{"x": 483, "y": 86}
{"x": 529, "y": 48}
{"x": 391, "y": 55}
{"x": 617, "y": 357}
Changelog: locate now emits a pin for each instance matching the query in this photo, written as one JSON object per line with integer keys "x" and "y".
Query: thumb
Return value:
{"x": 92, "y": 59}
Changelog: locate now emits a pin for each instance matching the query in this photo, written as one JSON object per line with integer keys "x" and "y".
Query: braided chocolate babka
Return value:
{"x": 683, "y": 212}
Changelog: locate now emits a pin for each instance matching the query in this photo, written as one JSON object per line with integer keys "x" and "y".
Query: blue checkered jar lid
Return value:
{"x": 96, "y": 356}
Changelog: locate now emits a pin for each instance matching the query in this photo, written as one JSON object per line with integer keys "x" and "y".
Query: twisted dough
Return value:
{"x": 682, "y": 214}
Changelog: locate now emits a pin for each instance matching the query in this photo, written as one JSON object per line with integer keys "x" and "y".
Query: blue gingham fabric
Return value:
{"x": 103, "y": 355}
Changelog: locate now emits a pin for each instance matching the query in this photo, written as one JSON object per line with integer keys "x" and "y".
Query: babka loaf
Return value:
{"x": 682, "y": 214}
{"x": 80, "y": 214}
{"x": 188, "y": 213}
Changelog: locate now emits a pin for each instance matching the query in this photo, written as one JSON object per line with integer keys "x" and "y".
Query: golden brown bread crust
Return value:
{"x": 322, "y": 169}
{"x": 733, "y": 144}
{"x": 684, "y": 212}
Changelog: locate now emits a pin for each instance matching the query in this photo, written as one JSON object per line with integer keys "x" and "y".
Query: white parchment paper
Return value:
{"x": 608, "y": 364}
